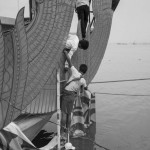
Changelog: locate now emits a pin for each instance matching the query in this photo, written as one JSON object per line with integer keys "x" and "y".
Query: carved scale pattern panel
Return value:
{"x": 20, "y": 59}
{"x": 36, "y": 54}
{"x": 45, "y": 53}
{"x": 6, "y": 73}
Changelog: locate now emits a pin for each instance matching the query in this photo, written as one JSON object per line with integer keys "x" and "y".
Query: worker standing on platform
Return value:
{"x": 82, "y": 9}
{"x": 72, "y": 45}
{"x": 73, "y": 86}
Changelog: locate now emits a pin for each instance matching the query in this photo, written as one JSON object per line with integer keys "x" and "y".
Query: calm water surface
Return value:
{"x": 123, "y": 122}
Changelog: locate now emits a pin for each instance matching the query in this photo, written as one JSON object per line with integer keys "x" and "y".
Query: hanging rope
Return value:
{"x": 121, "y": 80}
{"x": 121, "y": 94}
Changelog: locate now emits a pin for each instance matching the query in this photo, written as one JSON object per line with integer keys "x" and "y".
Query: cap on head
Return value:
{"x": 68, "y": 146}
{"x": 84, "y": 44}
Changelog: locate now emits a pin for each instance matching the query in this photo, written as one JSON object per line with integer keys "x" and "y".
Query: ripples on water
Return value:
{"x": 123, "y": 122}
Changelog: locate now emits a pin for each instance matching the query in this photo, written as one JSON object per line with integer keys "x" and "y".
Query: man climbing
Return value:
{"x": 73, "y": 86}
{"x": 82, "y": 9}
{"x": 72, "y": 45}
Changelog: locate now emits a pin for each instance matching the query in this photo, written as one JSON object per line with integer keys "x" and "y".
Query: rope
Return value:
{"x": 122, "y": 94}
{"x": 121, "y": 80}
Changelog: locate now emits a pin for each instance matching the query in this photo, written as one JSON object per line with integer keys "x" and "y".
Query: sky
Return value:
{"x": 130, "y": 23}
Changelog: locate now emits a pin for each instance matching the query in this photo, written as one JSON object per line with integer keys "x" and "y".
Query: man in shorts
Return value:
{"x": 73, "y": 86}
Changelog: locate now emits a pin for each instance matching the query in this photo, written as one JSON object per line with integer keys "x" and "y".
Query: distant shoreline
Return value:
{"x": 130, "y": 43}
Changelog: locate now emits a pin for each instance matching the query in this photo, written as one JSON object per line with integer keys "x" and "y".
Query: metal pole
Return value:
{"x": 30, "y": 9}
{"x": 58, "y": 108}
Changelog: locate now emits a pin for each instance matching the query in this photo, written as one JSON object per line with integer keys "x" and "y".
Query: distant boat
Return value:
{"x": 31, "y": 54}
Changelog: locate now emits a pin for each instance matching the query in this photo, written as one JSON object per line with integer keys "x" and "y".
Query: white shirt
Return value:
{"x": 82, "y": 2}
{"x": 75, "y": 85}
{"x": 72, "y": 44}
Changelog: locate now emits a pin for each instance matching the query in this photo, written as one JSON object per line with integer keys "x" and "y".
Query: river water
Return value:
{"x": 123, "y": 121}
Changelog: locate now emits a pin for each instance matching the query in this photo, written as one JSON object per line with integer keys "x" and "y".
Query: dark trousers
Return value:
{"x": 83, "y": 14}
{"x": 67, "y": 101}
{"x": 114, "y": 4}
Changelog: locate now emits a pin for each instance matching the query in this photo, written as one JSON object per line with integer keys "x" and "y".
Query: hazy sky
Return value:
{"x": 131, "y": 20}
